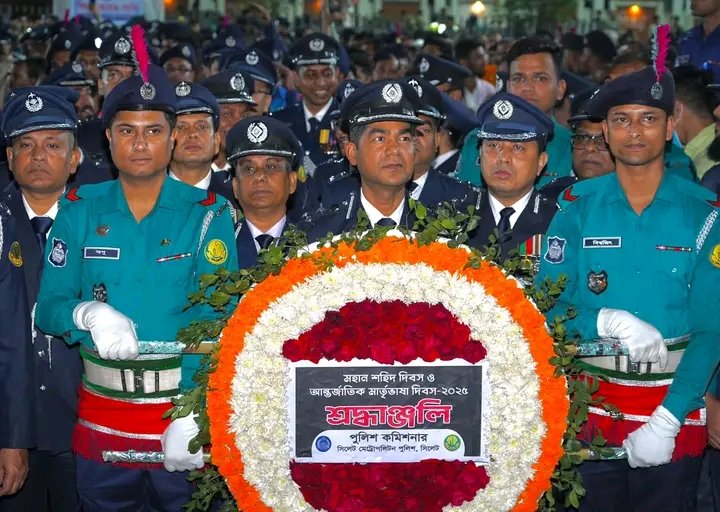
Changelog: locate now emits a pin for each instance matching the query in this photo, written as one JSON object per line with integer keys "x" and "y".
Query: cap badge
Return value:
{"x": 237, "y": 82}
{"x": 348, "y": 90}
{"x": 252, "y": 58}
{"x": 392, "y": 93}
{"x": 276, "y": 55}
{"x": 122, "y": 46}
{"x": 34, "y": 103}
{"x": 186, "y": 52}
{"x": 183, "y": 89}
{"x": 76, "y": 67}
{"x": 424, "y": 65}
{"x": 257, "y": 133}
{"x": 230, "y": 42}
{"x": 415, "y": 85}
{"x": 317, "y": 45}
{"x": 503, "y": 110}
{"x": 67, "y": 44}
{"x": 656, "y": 91}
{"x": 147, "y": 91}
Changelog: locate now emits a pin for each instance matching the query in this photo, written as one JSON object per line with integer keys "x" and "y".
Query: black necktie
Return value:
{"x": 411, "y": 187}
{"x": 41, "y": 226}
{"x": 264, "y": 240}
{"x": 503, "y": 224}
{"x": 314, "y": 124}
{"x": 385, "y": 221}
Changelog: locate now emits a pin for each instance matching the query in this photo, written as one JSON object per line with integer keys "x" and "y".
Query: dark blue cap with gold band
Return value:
{"x": 116, "y": 51}
{"x": 69, "y": 75}
{"x": 44, "y": 107}
{"x": 437, "y": 70}
{"x": 508, "y": 117}
{"x": 253, "y": 61}
{"x": 263, "y": 135}
{"x": 429, "y": 99}
{"x": 638, "y": 88}
{"x": 384, "y": 100}
{"x": 134, "y": 94}
{"x": 196, "y": 99}
{"x": 183, "y": 51}
{"x": 231, "y": 86}
{"x": 313, "y": 49}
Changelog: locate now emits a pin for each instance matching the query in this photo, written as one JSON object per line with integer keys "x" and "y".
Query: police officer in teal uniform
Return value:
{"x": 121, "y": 259}
{"x": 627, "y": 243}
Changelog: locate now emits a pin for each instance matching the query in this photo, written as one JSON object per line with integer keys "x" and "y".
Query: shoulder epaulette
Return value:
{"x": 72, "y": 195}
{"x": 210, "y": 200}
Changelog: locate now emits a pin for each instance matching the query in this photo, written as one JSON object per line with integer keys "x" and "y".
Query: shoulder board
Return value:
{"x": 210, "y": 200}
{"x": 72, "y": 195}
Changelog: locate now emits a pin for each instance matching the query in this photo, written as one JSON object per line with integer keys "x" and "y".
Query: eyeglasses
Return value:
{"x": 581, "y": 141}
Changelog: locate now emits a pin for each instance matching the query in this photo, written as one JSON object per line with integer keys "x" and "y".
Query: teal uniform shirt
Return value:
{"x": 146, "y": 269}
{"x": 678, "y": 163}
{"x": 702, "y": 356}
{"x": 559, "y": 158}
{"x": 615, "y": 258}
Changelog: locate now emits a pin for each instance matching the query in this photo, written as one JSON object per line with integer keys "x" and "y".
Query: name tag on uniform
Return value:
{"x": 602, "y": 242}
{"x": 101, "y": 253}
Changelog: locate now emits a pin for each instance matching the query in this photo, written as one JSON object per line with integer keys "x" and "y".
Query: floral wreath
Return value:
{"x": 284, "y": 317}
{"x": 394, "y": 296}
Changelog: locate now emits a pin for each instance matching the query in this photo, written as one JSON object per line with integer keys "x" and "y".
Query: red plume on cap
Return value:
{"x": 225, "y": 21}
{"x": 67, "y": 17}
{"x": 142, "y": 57}
{"x": 661, "y": 44}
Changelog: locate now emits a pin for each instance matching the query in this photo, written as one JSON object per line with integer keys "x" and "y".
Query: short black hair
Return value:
{"x": 356, "y": 132}
{"x": 536, "y": 44}
{"x": 630, "y": 57}
{"x": 465, "y": 46}
{"x": 446, "y": 49}
{"x": 691, "y": 88}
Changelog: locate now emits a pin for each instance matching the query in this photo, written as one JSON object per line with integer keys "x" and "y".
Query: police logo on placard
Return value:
{"x": 122, "y": 46}
{"x": 33, "y": 103}
{"x": 147, "y": 92}
{"x": 183, "y": 89}
{"x": 252, "y": 58}
{"x": 317, "y": 45}
{"x": 186, "y": 52}
{"x": 415, "y": 85}
{"x": 392, "y": 93}
{"x": 597, "y": 282}
{"x": 424, "y": 65}
{"x": 257, "y": 133}
{"x": 216, "y": 252}
{"x": 15, "y": 254}
{"x": 715, "y": 256}
{"x": 503, "y": 110}
{"x": 58, "y": 254}
{"x": 76, "y": 67}
{"x": 230, "y": 42}
{"x": 237, "y": 82}
{"x": 555, "y": 252}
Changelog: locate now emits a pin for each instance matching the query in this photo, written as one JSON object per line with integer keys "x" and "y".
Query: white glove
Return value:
{"x": 653, "y": 443}
{"x": 645, "y": 343}
{"x": 112, "y": 332}
{"x": 175, "y": 441}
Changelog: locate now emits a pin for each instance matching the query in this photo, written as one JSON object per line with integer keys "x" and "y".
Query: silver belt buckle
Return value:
{"x": 139, "y": 380}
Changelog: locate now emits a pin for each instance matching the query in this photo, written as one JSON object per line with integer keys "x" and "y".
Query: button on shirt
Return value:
{"x": 202, "y": 184}
{"x": 519, "y": 207}
{"x": 375, "y": 215}
{"x": 275, "y": 231}
{"x": 318, "y": 115}
{"x": 600, "y": 232}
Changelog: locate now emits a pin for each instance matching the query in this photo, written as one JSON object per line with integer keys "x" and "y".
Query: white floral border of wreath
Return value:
{"x": 259, "y": 414}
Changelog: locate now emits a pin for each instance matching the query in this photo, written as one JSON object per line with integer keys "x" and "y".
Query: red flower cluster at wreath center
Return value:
{"x": 388, "y": 332}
